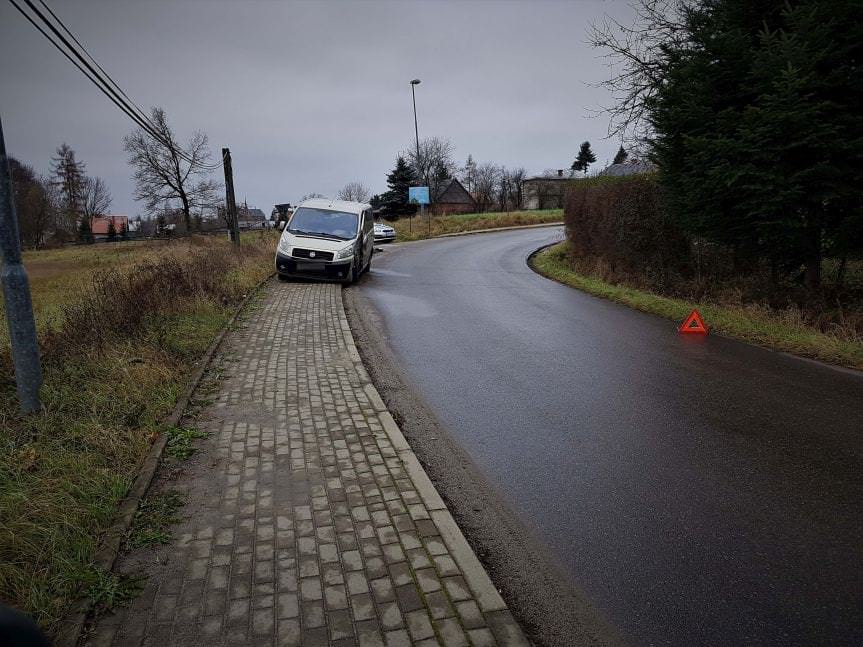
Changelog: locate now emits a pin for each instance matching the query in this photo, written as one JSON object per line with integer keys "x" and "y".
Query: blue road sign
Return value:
{"x": 418, "y": 195}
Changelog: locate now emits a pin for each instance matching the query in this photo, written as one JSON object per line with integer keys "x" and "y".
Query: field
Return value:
{"x": 779, "y": 330}
{"x": 423, "y": 227}
{"x": 120, "y": 328}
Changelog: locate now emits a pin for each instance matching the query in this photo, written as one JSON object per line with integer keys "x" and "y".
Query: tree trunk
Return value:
{"x": 187, "y": 217}
{"x": 840, "y": 274}
{"x": 812, "y": 260}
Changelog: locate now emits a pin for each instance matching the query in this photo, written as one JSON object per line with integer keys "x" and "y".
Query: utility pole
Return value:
{"x": 230, "y": 201}
{"x": 16, "y": 292}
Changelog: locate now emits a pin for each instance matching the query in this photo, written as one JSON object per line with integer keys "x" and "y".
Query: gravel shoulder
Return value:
{"x": 547, "y": 607}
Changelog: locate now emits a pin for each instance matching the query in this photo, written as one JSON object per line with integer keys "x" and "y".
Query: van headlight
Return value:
{"x": 284, "y": 247}
{"x": 347, "y": 252}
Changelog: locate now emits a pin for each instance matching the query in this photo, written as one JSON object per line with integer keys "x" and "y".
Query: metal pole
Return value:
{"x": 416, "y": 126}
{"x": 16, "y": 292}
{"x": 230, "y": 201}
{"x": 417, "y": 133}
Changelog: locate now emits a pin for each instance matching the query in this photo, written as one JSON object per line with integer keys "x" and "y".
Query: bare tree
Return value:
{"x": 486, "y": 180}
{"x": 435, "y": 153}
{"x": 510, "y": 195}
{"x": 36, "y": 201}
{"x": 637, "y": 55}
{"x": 166, "y": 171}
{"x": 95, "y": 197}
{"x": 310, "y": 196}
{"x": 516, "y": 184}
{"x": 354, "y": 192}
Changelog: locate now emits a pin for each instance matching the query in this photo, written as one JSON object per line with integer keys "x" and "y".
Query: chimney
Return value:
{"x": 560, "y": 172}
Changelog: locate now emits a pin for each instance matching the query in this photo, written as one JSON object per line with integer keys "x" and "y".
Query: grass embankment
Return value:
{"x": 120, "y": 329}
{"x": 783, "y": 330}
{"x": 420, "y": 227}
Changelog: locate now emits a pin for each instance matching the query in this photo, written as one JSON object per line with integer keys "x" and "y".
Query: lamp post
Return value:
{"x": 415, "y": 83}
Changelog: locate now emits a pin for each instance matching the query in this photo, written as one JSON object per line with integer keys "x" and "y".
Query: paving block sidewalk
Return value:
{"x": 308, "y": 520}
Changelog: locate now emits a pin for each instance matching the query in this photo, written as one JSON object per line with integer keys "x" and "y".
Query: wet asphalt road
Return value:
{"x": 699, "y": 491}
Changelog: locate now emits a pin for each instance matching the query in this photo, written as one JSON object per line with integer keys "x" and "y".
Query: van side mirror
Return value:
{"x": 282, "y": 225}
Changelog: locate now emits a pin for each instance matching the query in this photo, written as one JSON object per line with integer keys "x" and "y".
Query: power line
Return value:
{"x": 118, "y": 97}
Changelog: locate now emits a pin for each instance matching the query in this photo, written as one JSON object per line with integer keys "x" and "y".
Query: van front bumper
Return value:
{"x": 308, "y": 268}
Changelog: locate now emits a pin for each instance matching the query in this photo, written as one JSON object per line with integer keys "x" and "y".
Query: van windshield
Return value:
{"x": 324, "y": 223}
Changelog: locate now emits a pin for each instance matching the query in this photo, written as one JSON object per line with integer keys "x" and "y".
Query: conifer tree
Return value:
{"x": 395, "y": 201}
{"x": 585, "y": 158}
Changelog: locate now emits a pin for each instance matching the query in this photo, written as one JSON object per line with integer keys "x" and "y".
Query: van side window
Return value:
{"x": 368, "y": 222}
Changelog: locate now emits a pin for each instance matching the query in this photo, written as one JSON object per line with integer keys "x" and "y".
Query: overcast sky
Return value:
{"x": 309, "y": 96}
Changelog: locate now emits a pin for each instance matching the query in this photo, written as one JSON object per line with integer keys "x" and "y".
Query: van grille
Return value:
{"x": 307, "y": 253}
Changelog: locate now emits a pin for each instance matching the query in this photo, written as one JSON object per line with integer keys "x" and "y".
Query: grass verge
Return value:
{"x": 118, "y": 342}
{"x": 754, "y": 324}
{"x": 419, "y": 227}
{"x": 155, "y": 515}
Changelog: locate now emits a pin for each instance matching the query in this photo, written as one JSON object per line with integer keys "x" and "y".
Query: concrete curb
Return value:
{"x": 109, "y": 548}
{"x": 487, "y": 596}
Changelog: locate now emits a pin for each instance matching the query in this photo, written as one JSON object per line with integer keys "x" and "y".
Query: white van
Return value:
{"x": 330, "y": 239}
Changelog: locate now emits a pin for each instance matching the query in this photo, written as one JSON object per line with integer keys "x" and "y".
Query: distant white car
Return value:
{"x": 384, "y": 233}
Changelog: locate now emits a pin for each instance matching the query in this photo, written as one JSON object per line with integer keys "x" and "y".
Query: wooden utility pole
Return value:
{"x": 230, "y": 200}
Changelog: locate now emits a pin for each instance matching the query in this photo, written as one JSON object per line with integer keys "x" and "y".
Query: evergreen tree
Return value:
{"x": 85, "y": 232}
{"x": 395, "y": 201}
{"x": 124, "y": 231}
{"x": 585, "y": 158}
{"x": 621, "y": 156}
{"x": 112, "y": 230}
{"x": 759, "y": 129}
{"x": 68, "y": 176}
{"x": 468, "y": 174}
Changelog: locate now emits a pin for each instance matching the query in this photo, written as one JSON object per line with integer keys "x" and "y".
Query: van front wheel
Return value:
{"x": 353, "y": 274}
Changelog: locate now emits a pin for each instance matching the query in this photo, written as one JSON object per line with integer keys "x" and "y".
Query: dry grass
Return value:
{"x": 788, "y": 329}
{"x": 420, "y": 228}
{"x": 120, "y": 331}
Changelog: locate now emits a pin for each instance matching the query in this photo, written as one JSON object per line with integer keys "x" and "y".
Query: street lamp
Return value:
{"x": 415, "y": 83}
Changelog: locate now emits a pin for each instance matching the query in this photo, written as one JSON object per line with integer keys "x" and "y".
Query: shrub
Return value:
{"x": 619, "y": 224}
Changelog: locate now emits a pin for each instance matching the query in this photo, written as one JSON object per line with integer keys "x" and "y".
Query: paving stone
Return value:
{"x": 481, "y": 638}
{"x": 335, "y": 597}
{"x": 289, "y": 606}
{"x": 398, "y": 638}
{"x": 408, "y": 597}
{"x": 471, "y": 617}
{"x": 419, "y": 624}
{"x": 362, "y": 606}
{"x": 390, "y": 616}
{"x": 451, "y": 633}
{"x": 305, "y": 527}
{"x": 383, "y": 589}
{"x": 456, "y": 588}
{"x": 439, "y": 605}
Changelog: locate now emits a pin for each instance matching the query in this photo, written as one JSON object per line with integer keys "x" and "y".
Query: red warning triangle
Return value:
{"x": 693, "y": 324}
